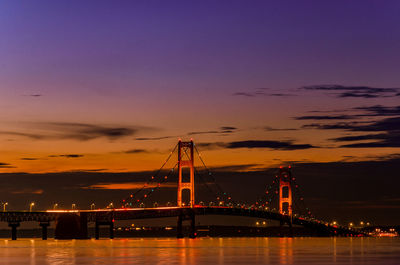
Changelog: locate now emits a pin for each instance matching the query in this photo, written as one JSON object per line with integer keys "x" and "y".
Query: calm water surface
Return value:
{"x": 203, "y": 251}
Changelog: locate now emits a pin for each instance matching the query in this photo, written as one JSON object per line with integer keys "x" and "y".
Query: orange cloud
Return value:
{"x": 27, "y": 191}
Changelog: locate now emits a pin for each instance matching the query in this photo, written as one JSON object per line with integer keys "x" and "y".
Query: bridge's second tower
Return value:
{"x": 285, "y": 191}
{"x": 185, "y": 149}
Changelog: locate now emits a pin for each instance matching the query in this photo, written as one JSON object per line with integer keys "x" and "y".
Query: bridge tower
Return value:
{"x": 185, "y": 148}
{"x": 285, "y": 191}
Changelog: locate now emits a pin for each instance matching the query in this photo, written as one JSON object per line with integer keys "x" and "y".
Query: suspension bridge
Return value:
{"x": 282, "y": 201}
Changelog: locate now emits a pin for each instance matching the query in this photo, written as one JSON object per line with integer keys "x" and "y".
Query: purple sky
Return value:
{"x": 111, "y": 85}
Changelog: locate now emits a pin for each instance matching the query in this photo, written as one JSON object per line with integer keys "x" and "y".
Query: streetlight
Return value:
{"x": 31, "y": 206}
{"x": 4, "y": 206}
{"x": 92, "y": 206}
{"x": 55, "y": 206}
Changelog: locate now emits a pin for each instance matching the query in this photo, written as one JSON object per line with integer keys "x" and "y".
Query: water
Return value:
{"x": 208, "y": 251}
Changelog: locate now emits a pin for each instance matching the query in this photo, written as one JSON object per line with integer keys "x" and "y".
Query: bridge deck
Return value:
{"x": 102, "y": 215}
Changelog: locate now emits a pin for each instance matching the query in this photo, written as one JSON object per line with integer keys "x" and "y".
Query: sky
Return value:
{"x": 101, "y": 88}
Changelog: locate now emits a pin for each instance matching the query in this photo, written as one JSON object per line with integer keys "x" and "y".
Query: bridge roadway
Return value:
{"x": 80, "y": 218}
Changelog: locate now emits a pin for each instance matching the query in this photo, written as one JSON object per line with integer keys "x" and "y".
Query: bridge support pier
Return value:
{"x": 44, "y": 226}
{"x": 282, "y": 223}
{"x": 186, "y": 214}
{"x": 97, "y": 229}
{"x": 13, "y": 226}
{"x": 179, "y": 232}
{"x": 83, "y": 231}
{"x": 112, "y": 230}
{"x": 192, "y": 226}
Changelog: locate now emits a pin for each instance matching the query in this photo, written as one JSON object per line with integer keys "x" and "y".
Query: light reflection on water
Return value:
{"x": 203, "y": 251}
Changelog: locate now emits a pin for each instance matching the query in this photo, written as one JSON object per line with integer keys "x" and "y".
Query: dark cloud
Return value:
{"x": 386, "y": 143}
{"x": 211, "y": 146}
{"x": 378, "y": 111}
{"x": 354, "y": 91}
{"x": 375, "y": 140}
{"x": 389, "y": 136}
{"x": 281, "y": 95}
{"x": 389, "y": 125}
{"x": 267, "y": 128}
{"x": 28, "y": 135}
{"x": 384, "y": 140}
{"x": 228, "y": 128}
{"x": 389, "y": 128}
{"x": 83, "y": 131}
{"x": 34, "y": 95}
{"x": 76, "y": 131}
{"x": 222, "y": 130}
{"x": 277, "y": 145}
{"x": 6, "y": 165}
{"x": 350, "y": 88}
{"x": 29, "y": 158}
{"x": 246, "y": 167}
{"x": 262, "y": 92}
{"x": 360, "y": 137}
{"x": 203, "y": 132}
{"x": 254, "y": 94}
{"x": 135, "y": 151}
{"x": 154, "y": 138}
{"x": 358, "y": 95}
{"x": 68, "y": 156}
{"x": 356, "y": 113}
{"x": 244, "y": 94}
{"x": 325, "y": 117}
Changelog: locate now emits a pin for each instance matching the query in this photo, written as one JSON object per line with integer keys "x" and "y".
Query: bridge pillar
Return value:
{"x": 83, "y": 231}
{"x": 192, "y": 226}
{"x": 185, "y": 185}
{"x": 186, "y": 214}
{"x": 285, "y": 191}
{"x": 112, "y": 230}
{"x": 13, "y": 226}
{"x": 282, "y": 223}
{"x": 44, "y": 226}
{"x": 96, "y": 231}
{"x": 179, "y": 232}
